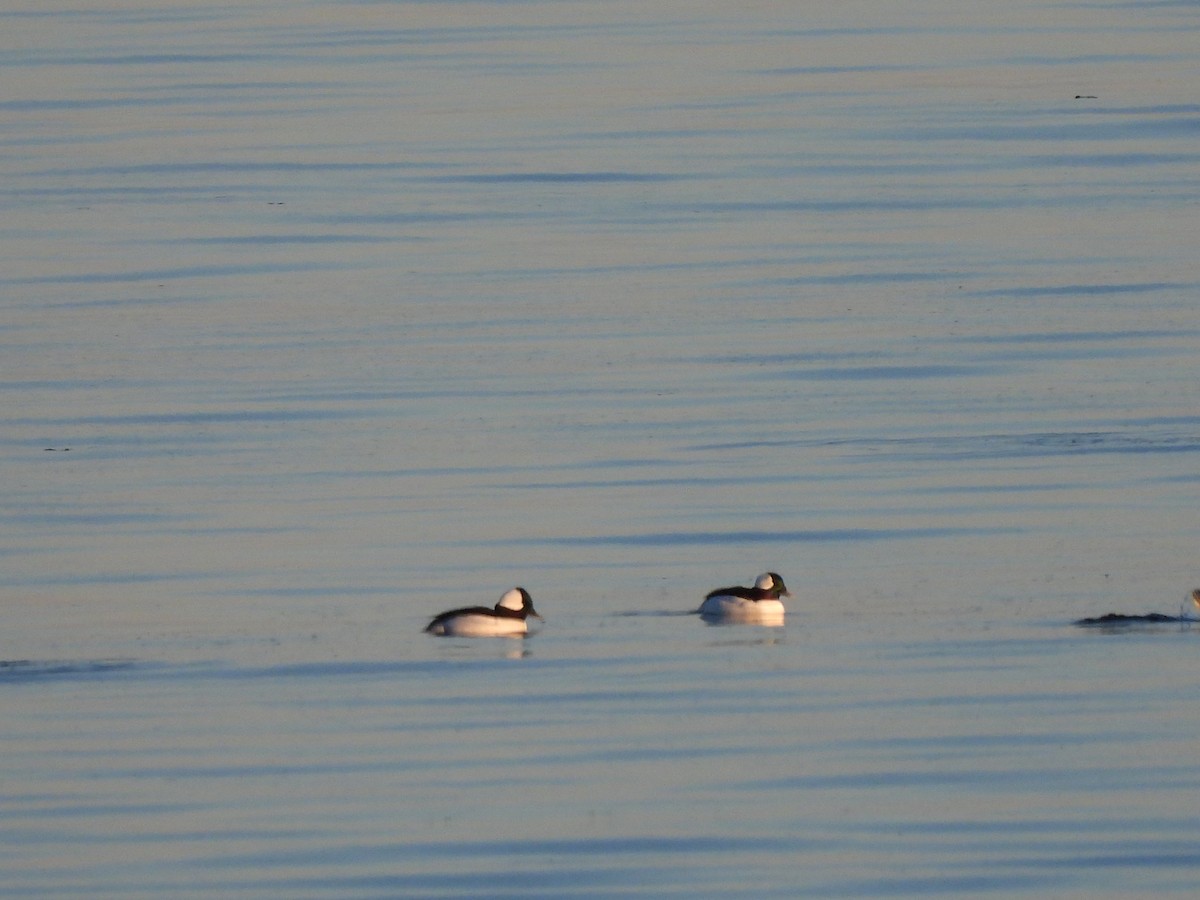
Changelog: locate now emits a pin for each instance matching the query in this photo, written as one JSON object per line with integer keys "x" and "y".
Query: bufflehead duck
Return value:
{"x": 506, "y": 619}
{"x": 759, "y": 604}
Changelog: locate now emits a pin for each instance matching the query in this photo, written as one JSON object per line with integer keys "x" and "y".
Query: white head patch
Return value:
{"x": 514, "y": 599}
{"x": 765, "y": 582}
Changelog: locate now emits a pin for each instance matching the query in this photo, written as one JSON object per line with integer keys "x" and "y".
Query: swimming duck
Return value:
{"x": 506, "y": 619}
{"x": 758, "y": 604}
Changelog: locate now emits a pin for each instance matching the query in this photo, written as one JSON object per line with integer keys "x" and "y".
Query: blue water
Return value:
{"x": 319, "y": 319}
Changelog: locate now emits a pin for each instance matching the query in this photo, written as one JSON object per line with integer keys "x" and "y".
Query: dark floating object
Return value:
{"x": 57, "y": 449}
{"x": 1123, "y": 619}
{"x": 1189, "y": 612}
{"x": 1086, "y": 97}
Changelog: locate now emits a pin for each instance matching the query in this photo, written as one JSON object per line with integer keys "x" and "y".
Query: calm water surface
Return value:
{"x": 321, "y": 318}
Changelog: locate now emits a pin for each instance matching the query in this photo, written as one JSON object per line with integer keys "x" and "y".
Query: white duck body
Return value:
{"x": 508, "y": 618}
{"x": 759, "y": 605}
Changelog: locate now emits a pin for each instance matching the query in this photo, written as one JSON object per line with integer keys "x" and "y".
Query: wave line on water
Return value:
{"x": 683, "y": 538}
